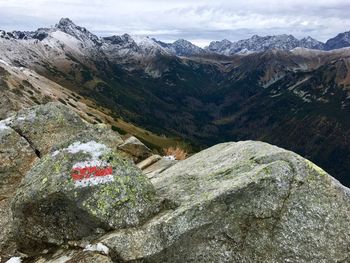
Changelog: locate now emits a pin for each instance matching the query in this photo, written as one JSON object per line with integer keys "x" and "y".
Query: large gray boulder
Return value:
{"x": 27, "y": 136}
{"x": 242, "y": 202}
{"x": 80, "y": 192}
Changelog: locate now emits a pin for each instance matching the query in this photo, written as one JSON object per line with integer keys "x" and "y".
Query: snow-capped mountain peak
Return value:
{"x": 261, "y": 43}
{"x": 81, "y": 33}
{"x": 221, "y": 47}
{"x": 311, "y": 43}
{"x": 65, "y": 23}
{"x": 144, "y": 41}
{"x": 66, "y": 36}
{"x": 182, "y": 47}
{"x": 148, "y": 45}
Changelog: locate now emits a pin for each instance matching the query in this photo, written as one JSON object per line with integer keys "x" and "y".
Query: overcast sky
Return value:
{"x": 199, "y": 21}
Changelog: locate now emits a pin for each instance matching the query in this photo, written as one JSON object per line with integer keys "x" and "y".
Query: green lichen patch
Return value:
{"x": 315, "y": 168}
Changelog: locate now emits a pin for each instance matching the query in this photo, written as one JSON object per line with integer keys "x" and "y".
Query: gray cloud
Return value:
{"x": 198, "y": 21}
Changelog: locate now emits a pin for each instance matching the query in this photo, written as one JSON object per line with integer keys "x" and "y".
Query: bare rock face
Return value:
{"x": 80, "y": 192}
{"x": 46, "y": 125}
{"x": 242, "y": 202}
{"x": 34, "y": 132}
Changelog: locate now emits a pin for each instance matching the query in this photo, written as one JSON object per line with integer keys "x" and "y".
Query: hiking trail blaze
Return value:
{"x": 91, "y": 173}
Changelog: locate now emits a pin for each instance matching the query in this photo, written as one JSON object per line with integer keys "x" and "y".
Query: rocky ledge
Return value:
{"x": 70, "y": 192}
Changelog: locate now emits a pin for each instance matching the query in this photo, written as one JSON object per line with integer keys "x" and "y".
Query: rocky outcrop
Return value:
{"x": 43, "y": 134}
{"x": 242, "y": 202}
{"x": 46, "y": 125}
{"x": 34, "y": 132}
{"x": 85, "y": 201}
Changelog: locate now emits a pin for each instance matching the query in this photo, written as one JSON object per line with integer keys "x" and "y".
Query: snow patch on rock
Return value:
{"x": 3, "y": 125}
{"x": 99, "y": 247}
{"x": 14, "y": 260}
{"x": 93, "y": 148}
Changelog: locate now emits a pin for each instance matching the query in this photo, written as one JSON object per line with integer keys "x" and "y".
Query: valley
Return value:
{"x": 168, "y": 94}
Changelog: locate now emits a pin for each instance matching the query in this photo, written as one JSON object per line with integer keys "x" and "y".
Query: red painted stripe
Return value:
{"x": 80, "y": 173}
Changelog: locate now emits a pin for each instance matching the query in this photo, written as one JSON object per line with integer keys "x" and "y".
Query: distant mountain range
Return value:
{"x": 288, "y": 92}
{"x": 183, "y": 47}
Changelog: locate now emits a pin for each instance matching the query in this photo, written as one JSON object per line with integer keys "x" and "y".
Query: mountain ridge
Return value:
{"x": 182, "y": 47}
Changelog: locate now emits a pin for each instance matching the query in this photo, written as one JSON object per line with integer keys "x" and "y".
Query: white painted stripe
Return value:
{"x": 96, "y": 180}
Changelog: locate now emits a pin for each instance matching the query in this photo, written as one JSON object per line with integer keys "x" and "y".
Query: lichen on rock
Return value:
{"x": 53, "y": 206}
{"x": 234, "y": 202}
{"x": 242, "y": 202}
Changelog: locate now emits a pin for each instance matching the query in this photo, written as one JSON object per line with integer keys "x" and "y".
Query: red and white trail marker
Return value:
{"x": 91, "y": 173}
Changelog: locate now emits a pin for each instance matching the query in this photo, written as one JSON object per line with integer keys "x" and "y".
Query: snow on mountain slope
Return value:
{"x": 53, "y": 47}
{"x": 147, "y": 43}
{"x": 182, "y": 47}
{"x": 259, "y": 43}
{"x": 311, "y": 43}
{"x": 80, "y": 33}
{"x": 66, "y": 36}
{"x": 67, "y": 45}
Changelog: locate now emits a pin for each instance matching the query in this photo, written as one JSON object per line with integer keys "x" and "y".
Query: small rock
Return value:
{"x": 99, "y": 247}
{"x": 135, "y": 148}
{"x": 149, "y": 161}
